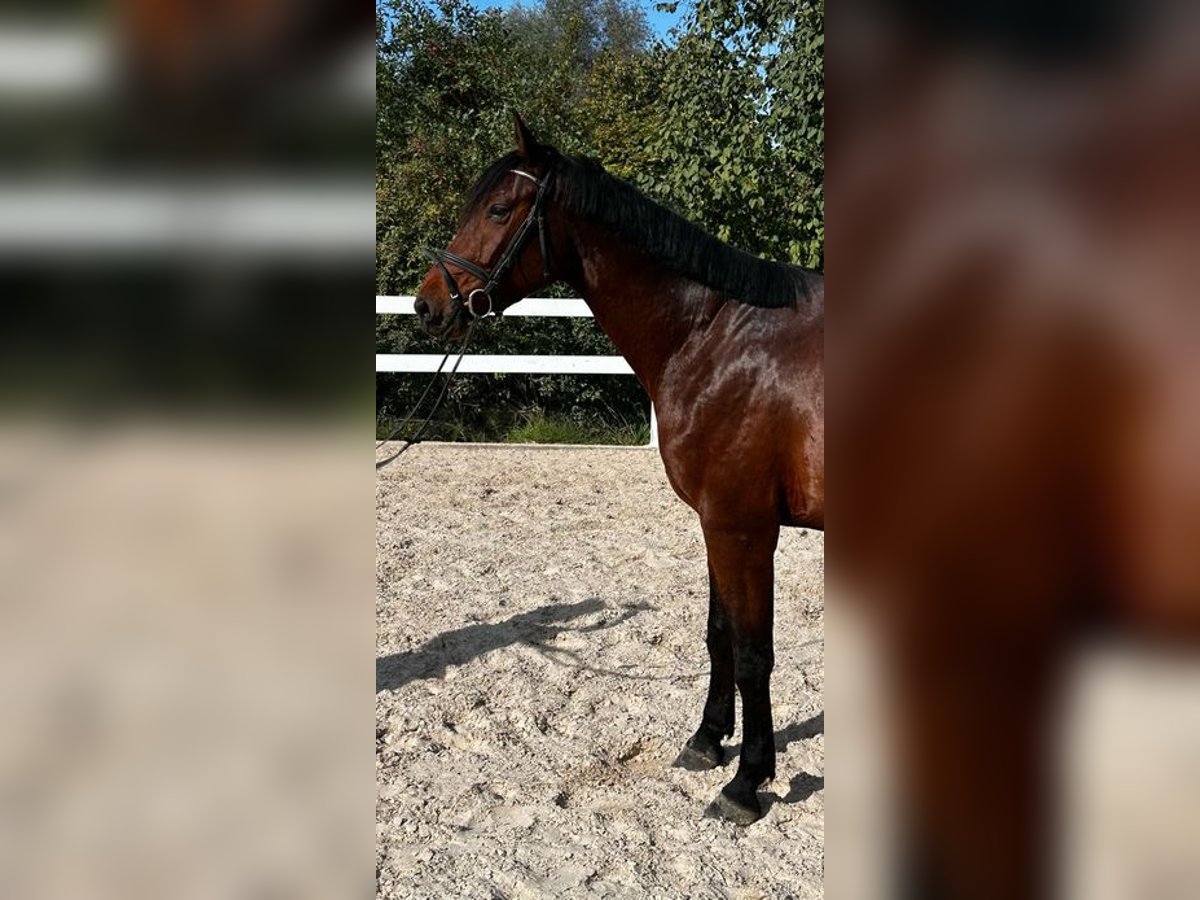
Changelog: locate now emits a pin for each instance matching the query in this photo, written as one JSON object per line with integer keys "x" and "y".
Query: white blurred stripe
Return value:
{"x": 36, "y": 61}
{"x": 236, "y": 218}
{"x": 59, "y": 61}
{"x": 353, "y": 77}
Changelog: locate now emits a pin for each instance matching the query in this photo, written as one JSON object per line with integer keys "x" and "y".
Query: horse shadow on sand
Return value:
{"x": 536, "y": 628}
{"x": 803, "y": 785}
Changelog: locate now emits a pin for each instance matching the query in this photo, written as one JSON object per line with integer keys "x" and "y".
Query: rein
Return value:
{"x": 535, "y": 216}
{"x": 416, "y": 438}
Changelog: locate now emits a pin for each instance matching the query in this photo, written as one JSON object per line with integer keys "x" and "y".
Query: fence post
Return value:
{"x": 653, "y": 428}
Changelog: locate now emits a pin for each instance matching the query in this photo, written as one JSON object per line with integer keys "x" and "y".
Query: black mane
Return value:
{"x": 583, "y": 186}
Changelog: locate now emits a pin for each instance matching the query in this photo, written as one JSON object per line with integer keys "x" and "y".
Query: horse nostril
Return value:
{"x": 421, "y": 308}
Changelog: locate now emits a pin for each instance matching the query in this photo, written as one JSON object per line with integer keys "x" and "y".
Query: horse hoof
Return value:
{"x": 725, "y": 807}
{"x": 699, "y": 759}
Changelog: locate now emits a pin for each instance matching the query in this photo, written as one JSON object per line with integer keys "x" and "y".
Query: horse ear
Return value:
{"x": 527, "y": 144}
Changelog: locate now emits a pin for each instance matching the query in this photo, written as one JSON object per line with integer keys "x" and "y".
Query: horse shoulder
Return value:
{"x": 741, "y": 423}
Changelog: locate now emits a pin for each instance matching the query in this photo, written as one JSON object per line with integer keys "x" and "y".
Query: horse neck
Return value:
{"x": 648, "y": 311}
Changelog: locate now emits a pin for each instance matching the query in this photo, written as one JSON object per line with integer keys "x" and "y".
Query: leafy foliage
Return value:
{"x": 582, "y": 29}
{"x": 739, "y": 142}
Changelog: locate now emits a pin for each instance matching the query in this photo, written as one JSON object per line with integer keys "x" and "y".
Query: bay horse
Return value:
{"x": 730, "y": 349}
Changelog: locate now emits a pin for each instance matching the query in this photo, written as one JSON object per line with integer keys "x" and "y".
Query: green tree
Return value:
{"x": 622, "y": 108}
{"x": 740, "y": 137}
{"x": 586, "y": 27}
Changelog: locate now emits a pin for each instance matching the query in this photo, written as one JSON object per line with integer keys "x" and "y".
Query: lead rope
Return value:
{"x": 416, "y": 438}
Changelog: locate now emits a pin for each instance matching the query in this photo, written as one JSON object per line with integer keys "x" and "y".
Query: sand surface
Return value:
{"x": 541, "y": 660}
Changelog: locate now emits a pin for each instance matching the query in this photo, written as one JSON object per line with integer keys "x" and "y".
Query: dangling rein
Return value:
{"x": 416, "y": 438}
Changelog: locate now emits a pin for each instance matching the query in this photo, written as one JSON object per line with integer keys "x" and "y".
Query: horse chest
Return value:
{"x": 707, "y": 464}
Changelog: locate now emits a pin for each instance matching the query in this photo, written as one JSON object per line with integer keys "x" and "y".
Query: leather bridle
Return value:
{"x": 491, "y": 278}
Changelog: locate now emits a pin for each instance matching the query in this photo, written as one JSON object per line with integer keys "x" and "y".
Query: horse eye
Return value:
{"x": 498, "y": 212}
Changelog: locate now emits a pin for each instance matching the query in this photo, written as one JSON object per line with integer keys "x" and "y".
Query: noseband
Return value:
{"x": 508, "y": 258}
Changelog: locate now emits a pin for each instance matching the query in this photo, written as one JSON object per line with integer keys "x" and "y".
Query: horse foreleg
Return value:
{"x": 703, "y": 750}
{"x": 743, "y": 565}
{"x": 975, "y": 752}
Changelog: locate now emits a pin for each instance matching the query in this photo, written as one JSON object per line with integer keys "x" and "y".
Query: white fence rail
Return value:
{"x": 534, "y": 365}
{"x": 82, "y": 60}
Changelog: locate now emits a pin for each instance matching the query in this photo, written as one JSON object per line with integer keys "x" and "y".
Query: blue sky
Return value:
{"x": 659, "y": 22}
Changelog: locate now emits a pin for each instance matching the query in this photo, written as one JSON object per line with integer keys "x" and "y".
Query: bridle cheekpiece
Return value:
{"x": 491, "y": 278}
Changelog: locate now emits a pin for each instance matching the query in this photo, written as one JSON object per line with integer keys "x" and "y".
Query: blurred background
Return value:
{"x": 186, "y": 211}
{"x": 1014, "y": 389}
{"x": 183, "y": 192}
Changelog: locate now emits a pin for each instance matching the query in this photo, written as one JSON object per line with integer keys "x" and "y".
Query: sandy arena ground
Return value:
{"x": 540, "y": 662}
